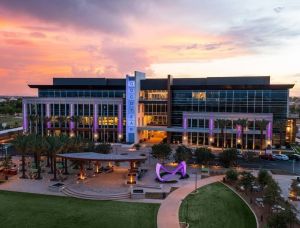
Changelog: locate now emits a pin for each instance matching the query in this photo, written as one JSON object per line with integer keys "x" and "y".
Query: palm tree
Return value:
{"x": 31, "y": 119}
{"x": 38, "y": 147}
{"x": 54, "y": 146}
{"x": 67, "y": 146}
{"x": 281, "y": 125}
{"x": 222, "y": 125}
{"x": 243, "y": 123}
{"x": 262, "y": 124}
{"x": 21, "y": 146}
{"x": 62, "y": 121}
{"x": 76, "y": 120}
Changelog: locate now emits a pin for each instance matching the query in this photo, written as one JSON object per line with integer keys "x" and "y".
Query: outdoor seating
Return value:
{"x": 259, "y": 202}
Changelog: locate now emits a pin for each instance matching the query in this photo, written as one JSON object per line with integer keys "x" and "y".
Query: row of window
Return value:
{"x": 82, "y": 93}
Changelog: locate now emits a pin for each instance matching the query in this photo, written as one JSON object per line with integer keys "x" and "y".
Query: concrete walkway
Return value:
{"x": 168, "y": 213}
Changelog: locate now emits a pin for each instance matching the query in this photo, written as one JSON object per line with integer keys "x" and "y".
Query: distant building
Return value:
{"x": 179, "y": 110}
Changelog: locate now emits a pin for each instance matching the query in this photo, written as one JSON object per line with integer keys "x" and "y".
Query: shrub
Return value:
{"x": 183, "y": 153}
{"x": 232, "y": 175}
{"x": 228, "y": 157}
{"x": 103, "y": 148}
{"x": 263, "y": 177}
{"x": 161, "y": 151}
{"x": 246, "y": 179}
{"x": 204, "y": 155}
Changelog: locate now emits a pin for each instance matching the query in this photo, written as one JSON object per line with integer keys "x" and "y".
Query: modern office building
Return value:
{"x": 216, "y": 111}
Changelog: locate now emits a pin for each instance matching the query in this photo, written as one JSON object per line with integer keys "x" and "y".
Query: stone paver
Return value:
{"x": 284, "y": 182}
{"x": 168, "y": 213}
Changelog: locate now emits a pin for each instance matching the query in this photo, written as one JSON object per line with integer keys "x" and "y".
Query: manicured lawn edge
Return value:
{"x": 256, "y": 219}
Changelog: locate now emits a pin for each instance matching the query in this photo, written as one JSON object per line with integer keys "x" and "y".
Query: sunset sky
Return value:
{"x": 41, "y": 39}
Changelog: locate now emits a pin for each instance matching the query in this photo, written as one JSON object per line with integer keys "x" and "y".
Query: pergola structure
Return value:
{"x": 92, "y": 156}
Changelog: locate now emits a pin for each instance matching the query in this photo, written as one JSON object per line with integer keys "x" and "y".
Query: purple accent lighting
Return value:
{"x": 269, "y": 131}
{"x": 48, "y": 115}
{"x": 95, "y": 124}
{"x": 211, "y": 126}
{"x": 25, "y": 119}
{"x": 72, "y": 124}
{"x": 120, "y": 119}
{"x": 181, "y": 167}
{"x": 184, "y": 125}
{"x": 239, "y": 131}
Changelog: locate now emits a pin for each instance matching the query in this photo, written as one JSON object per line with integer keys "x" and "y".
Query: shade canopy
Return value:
{"x": 92, "y": 156}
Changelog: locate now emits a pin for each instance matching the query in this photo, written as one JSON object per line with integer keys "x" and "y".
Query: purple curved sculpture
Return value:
{"x": 180, "y": 168}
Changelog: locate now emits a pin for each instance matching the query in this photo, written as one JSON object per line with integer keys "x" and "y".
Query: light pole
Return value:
{"x": 196, "y": 176}
{"x": 293, "y": 165}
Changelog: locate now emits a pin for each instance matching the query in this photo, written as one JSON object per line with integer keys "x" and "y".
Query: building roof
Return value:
{"x": 92, "y": 156}
{"x": 210, "y": 83}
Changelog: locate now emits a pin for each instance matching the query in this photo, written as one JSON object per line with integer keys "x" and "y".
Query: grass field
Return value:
{"x": 42, "y": 211}
{"x": 11, "y": 121}
{"x": 216, "y": 206}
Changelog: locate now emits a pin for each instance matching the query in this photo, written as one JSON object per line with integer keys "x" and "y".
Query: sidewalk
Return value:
{"x": 168, "y": 213}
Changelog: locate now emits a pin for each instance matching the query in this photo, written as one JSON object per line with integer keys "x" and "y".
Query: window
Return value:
{"x": 201, "y": 96}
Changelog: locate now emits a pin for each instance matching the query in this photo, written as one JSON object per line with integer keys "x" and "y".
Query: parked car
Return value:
{"x": 267, "y": 157}
{"x": 295, "y": 157}
{"x": 282, "y": 157}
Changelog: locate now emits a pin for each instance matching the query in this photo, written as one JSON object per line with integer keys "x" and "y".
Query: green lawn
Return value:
{"x": 41, "y": 211}
{"x": 216, "y": 206}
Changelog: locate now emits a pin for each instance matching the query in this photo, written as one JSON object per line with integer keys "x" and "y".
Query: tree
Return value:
{"x": 55, "y": 146}
{"x": 204, "y": 155}
{"x": 272, "y": 192}
{"x": 262, "y": 125}
{"x": 228, "y": 157}
{"x": 182, "y": 153}
{"x": 103, "y": 148}
{"x": 232, "y": 175}
{"x": 263, "y": 177}
{"x": 246, "y": 179}
{"x": 21, "y": 146}
{"x": 243, "y": 123}
{"x": 38, "y": 147}
{"x": 161, "y": 151}
{"x": 283, "y": 218}
{"x": 281, "y": 126}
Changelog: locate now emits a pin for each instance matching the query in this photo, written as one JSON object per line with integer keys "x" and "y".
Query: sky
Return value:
{"x": 42, "y": 39}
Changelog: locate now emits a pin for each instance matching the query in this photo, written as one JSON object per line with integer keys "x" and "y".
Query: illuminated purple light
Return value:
{"x": 181, "y": 167}
{"x": 72, "y": 124}
{"x": 269, "y": 131}
{"x": 184, "y": 122}
{"x": 120, "y": 120}
{"x": 239, "y": 131}
{"x": 96, "y": 124}
{"x": 211, "y": 126}
{"x": 48, "y": 115}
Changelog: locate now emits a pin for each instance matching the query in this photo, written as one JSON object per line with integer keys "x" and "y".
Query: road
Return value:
{"x": 265, "y": 164}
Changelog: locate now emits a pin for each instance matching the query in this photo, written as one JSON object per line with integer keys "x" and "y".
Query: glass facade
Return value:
{"x": 81, "y": 93}
{"x": 231, "y": 101}
{"x": 161, "y": 104}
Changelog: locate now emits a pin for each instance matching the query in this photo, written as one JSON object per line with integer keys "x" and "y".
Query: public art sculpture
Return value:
{"x": 180, "y": 169}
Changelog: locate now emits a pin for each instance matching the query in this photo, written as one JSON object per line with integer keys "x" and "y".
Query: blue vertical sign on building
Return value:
{"x": 130, "y": 109}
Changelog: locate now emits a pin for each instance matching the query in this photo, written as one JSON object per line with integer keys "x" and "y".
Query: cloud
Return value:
{"x": 18, "y": 42}
{"x": 261, "y": 32}
{"x": 37, "y": 35}
{"x": 278, "y": 9}
{"x": 105, "y": 15}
